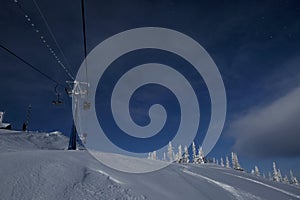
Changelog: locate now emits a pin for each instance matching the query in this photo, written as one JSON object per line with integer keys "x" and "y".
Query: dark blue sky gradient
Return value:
{"x": 255, "y": 45}
{"x": 148, "y": 95}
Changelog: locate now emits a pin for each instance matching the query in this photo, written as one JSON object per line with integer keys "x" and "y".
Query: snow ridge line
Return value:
{"x": 239, "y": 195}
{"x": 109, "y": 176}
{"x": 266, "y": 185}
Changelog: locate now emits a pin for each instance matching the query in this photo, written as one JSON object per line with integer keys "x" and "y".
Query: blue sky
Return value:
{"x": 255, "y": 45}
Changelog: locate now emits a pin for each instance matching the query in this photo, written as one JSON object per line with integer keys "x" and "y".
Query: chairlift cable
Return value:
{"x": 30, "y": 65}
{"x": 42, "y": 37}
{"x": 54, "y": 39}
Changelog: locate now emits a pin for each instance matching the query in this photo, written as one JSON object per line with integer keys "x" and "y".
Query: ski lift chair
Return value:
{"x": 58, "y": 101}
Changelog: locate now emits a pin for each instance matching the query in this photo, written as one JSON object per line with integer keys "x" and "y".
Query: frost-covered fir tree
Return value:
{"x": 252, "y": 172}
{"x": 201, "y": 155}
{"x": 235, "y": 162}
{"x": 176, "y": 157}
{"x": 270, "y": 176}
{"x": 214, "y": 160}
{"x": 195, "y": 157}
{"x": 257, "y": 173}
{"x": 275, "y": 173}
{"x": 233, "y": 159}
{"x": 180, "y": 158}
{"x": 286, "y": 179}
{"x": 186, "y": 155}
{"x": 153, "y": 156}
{"x": 170, "y": 152}
{"x": 217, "y": 162}
{"x": 279, "y": 175}
{"x": 227, "y": 162}
{"x": 238, "y": 166}
{"x": 294, "y": 180}
{"x": 222, "y": 162}
{"x": 164, "y": 158}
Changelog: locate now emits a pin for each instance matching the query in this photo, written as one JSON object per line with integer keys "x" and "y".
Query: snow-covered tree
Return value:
{"x": 252, "y": 172}
{"x": 286, "y": 179}
{"x": 235, "y": 162}
{"x": 270, "y": 176}
{"x": 195, "y": 157}
{"x": 214, "y": 160}
{"x": 176, "y": 157}
{"x": 227, "y": 162}
{"x": 170, "y": 152}
{"x": 180, "y": 158}
{"x": 275, "y": 173}
{"x": 153, "y": 156}
{"x": 264, "y": 176}
{"x": 164, "y": 158}
{"x": 222, "y": 162}
{"x": 186, "y": 155}
{"x": 201, "y": 155}
{"x": 217, "y": 162}
{"x": 257, "y": 173}
{"x": 233, "y": 159}
{"x": 279, "y": 175}
{"x": 294, "y": 180}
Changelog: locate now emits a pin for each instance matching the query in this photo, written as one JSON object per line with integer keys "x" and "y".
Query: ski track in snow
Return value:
{"x": 266, "y": 185}
{"x": 110, "y": 177}
{"x": 238, "y": 194}
{"x": 35, "y": 166}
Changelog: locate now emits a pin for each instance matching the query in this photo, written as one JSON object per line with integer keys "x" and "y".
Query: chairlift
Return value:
{"x": 79, "y": 90}
{"x": 58, "y": 100}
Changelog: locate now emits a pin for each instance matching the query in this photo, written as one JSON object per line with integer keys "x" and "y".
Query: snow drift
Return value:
{"x": 36, "y": 166}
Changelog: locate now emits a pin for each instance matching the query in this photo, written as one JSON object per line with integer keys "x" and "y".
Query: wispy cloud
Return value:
{"x": 271, "y": 127}
{"x": 271, "y": 130}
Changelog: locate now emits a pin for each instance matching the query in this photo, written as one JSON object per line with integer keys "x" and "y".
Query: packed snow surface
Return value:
{"x": 37, "y": 166}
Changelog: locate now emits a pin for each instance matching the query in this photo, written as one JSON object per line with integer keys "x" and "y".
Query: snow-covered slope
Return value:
{"x": 35, "y": 166}
{"x": 20, "y": 141}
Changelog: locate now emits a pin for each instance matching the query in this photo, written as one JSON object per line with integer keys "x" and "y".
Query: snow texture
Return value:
{"x": 37, "y": 166}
